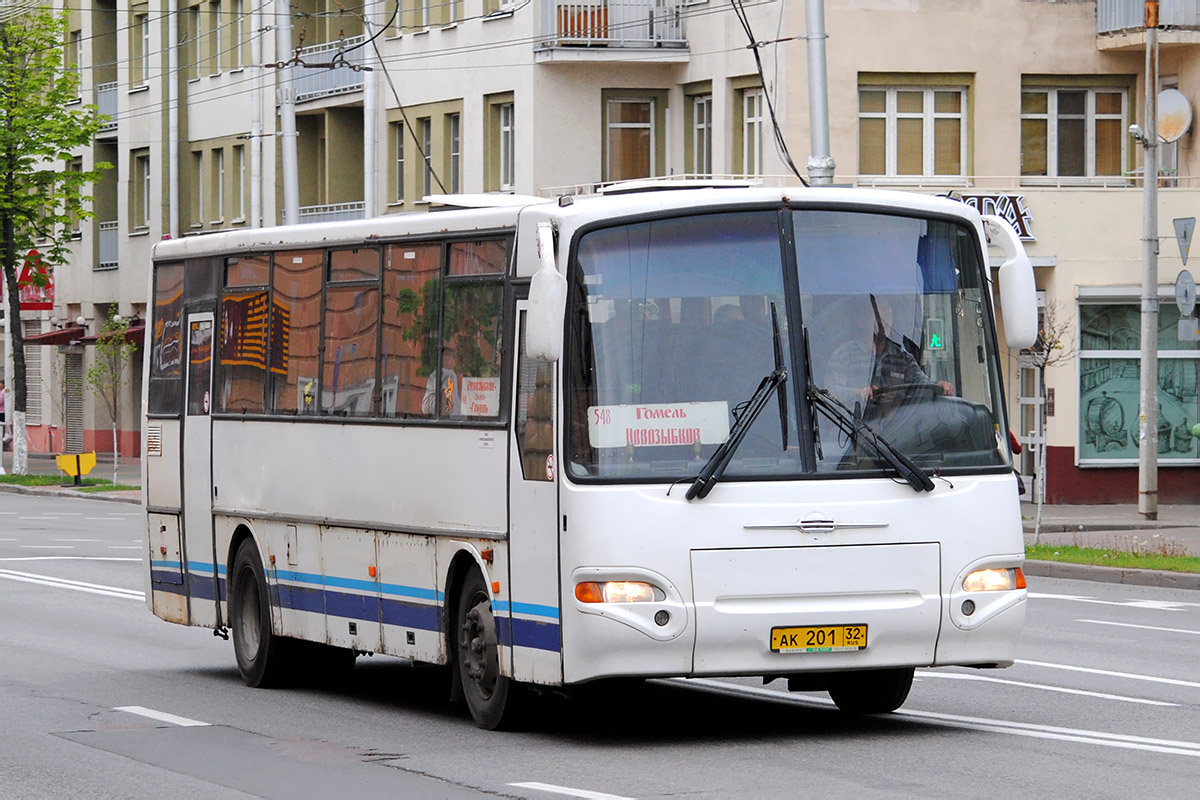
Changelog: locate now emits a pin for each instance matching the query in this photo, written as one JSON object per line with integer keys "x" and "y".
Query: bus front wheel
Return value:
{"x": 257, "y": 649}
{"x": 877, "y": 691}
{"x": 478, "y": 658}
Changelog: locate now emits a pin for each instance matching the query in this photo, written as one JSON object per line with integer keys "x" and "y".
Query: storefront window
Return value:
{"x": 1109, "y": 385}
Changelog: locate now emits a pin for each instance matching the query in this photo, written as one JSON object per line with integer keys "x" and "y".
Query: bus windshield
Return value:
{"x": 673, "y": 326}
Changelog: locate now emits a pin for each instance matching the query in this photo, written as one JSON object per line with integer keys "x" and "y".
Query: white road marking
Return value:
{"x": 78, "y": 586}
{"x": 584, "y": 793}
{"x": 68, "y": 558}
{"x": 163, "y": 716}
{"x": 1140, "y": 627}
{"x": 47, "y": 547}
{"x": 74, "y": 540}
{"x": 1154, "y": 605}
{"x": 1098, "y": 738}
{"x": 1111, "y": 674}
{"x": 124, "y": 547}
{"x": 1060, "y": 689}
{"x": 8, "y": 540}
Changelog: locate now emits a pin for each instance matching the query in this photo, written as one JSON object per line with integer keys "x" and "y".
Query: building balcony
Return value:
{"x": 611, "y": 30}
{"x": 332, "y": 212}
{"x": 329, "y": 69}
{"x": 106, "y": 102}
{"x": 1121, "y": 24}
{"x": 106, "y": 245}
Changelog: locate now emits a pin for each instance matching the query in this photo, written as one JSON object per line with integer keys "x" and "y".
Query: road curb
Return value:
{"x": 1130, "y": 577}
{"x": 66, "y": 491}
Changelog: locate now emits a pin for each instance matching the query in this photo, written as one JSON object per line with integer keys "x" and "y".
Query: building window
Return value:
{"x": 1109, "y": 385}
{"x": 239, "y": 182}
{"x": 1073, "y": 132}
{"x": 216, "y": 37}
{"x": 630, "y": 138}
{"x": 75, "y": 229}
{"x": 425, "y": 125}
{"x": 454, "y": 151}
{"x": 139, "y": 188}
{"x": 191, "y": 50}
{"x": 218, "y": 185}
{"x": 398, "y": 134}
{"x": 71, "y": 55}
{"x": 139, "y": 66}
{"x": 914, "y": 131}
{"x": 197, "y": 189}
{"x": 752, "y": 131}
{"x": 702, "y": 107}
{"x": 507, "y": 147}
{"x": 236, "y": 37}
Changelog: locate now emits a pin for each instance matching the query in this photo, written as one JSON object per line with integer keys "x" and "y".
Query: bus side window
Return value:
{"x": 166, "y": 355}
{"x": 535, "y": 414}
{"x": 411, "y": 322}
{"x": 296, "y": 331}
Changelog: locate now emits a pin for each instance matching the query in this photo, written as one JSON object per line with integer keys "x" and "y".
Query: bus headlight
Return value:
{"x": 616, "y": 592}
{"x": 994, "y": 580}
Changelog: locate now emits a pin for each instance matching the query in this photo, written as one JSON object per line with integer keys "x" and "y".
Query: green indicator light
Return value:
{"x": 937, "y": 338}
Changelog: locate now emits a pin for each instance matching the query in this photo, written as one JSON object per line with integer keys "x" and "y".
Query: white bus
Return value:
{"x": 690, "y": 432}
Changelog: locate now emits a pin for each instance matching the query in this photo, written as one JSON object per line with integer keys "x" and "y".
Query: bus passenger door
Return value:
{"x": 200, "y": 571}
{"x": 533, "y": 569}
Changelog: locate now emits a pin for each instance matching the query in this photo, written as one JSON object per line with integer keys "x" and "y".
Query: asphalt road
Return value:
{"x": 101, "y": 699}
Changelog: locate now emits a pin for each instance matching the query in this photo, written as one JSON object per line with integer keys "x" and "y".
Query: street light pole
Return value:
{"x": 1148, "y": 416}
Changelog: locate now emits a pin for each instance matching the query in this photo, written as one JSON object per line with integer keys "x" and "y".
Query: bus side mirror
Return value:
{"x": 1018, "y": 292}
{"x": 547, "y": 302}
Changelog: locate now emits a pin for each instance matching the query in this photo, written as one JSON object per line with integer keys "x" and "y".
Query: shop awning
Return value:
{"x": 60, "y": 336}
{"x": 135, "y": 334}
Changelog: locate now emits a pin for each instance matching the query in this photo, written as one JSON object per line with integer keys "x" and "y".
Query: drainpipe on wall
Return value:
{"x": 173, "y": 119}
{"x": 369, "y": 113}
{"x": 287, "y": 114}
{"x": 256, "y": 94}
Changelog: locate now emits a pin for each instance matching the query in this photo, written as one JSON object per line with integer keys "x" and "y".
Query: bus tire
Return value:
{"x": 877, "y": 691}
{"x": 477, "y": 656}
{"x": 259, "y": 652}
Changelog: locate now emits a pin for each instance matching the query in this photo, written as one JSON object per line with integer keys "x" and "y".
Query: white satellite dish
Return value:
{"x": 1174, "y": 116}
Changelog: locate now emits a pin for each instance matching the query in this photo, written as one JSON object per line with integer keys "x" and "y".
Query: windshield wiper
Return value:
{"x": 712, "y": 471}
{"x": 853, "y": 426}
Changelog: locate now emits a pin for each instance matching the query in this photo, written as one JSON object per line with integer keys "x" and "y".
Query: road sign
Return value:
{"x": 35, "y": 284}
{"x": 1185, "y": 293}
{"x": 1184, "y": 227}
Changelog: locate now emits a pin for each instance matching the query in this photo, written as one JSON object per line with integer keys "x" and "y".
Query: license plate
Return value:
{"x": 823, "y": 639}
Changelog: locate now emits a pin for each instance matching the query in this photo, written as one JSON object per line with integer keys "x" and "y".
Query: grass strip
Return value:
{"x": 89, "y": 484}
{"x": 1112, "y": 557}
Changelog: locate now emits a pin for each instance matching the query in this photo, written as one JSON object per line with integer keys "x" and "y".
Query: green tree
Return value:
{"x": 110, "y": 372}
{"x": 39, "y": 196}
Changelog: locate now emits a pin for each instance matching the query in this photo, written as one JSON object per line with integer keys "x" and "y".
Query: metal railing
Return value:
{"x": 106, "y": 102}
{"x": 332, "y": 212}
{"x": 327, "y": 69}
{"x": 1125, "y": 15}
{"x": 612, "y": 23}
{"x": 106, "y": 235}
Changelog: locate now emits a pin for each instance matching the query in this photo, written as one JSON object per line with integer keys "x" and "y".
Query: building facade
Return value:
{"x": 1022, "y": 107}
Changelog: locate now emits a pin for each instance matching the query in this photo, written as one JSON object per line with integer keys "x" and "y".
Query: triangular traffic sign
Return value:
{"x": 1184, "y": 227}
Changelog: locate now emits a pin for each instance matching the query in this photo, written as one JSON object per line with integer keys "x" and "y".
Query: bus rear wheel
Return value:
{"x": 877, "y": 691}
{"x": 478, "y": 657}
{"x": 258, "y": 650}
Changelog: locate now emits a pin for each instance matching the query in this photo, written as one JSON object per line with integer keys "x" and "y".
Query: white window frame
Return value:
{"x": 1090, "y": 116}
{"x": 141, "y": 60}
{"x": 753, "y": 102}
{"x": 702, "y": 131}
{"x": 142, "y": 174}
{"x": 218, "y": 171}
{"x": 426, "y": 127}
{"x": 239, "y": 172}
{"x": 198, "y": 214}
{"x": 928, "y": 116}
{"x": 507, "y": 146}
{"x": 399, "y": 161}
{"x": 215, "y": 31}
{"x": 454, "y": 132}
{"x": 611, "y": 126}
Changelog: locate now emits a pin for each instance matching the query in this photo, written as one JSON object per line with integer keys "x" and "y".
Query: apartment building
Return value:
{"x": 1022, "y": 107}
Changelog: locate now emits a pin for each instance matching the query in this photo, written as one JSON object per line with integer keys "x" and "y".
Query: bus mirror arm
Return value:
{"x": 1018, "y": 291}
{"x": 547, "y": 302}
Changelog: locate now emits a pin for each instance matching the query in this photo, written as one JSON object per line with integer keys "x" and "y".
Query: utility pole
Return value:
{"x": 1148, "y": 416}
{"x": 820, "y": 163}
{"x": 287, "y": 113}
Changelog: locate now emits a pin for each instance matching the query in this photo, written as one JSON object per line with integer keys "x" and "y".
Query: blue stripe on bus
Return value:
{"x": 532, "y": 609}
{"x": 315, "y": 598}
{"x": 517, "y": 632}
{"x": 399, "y": 590}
